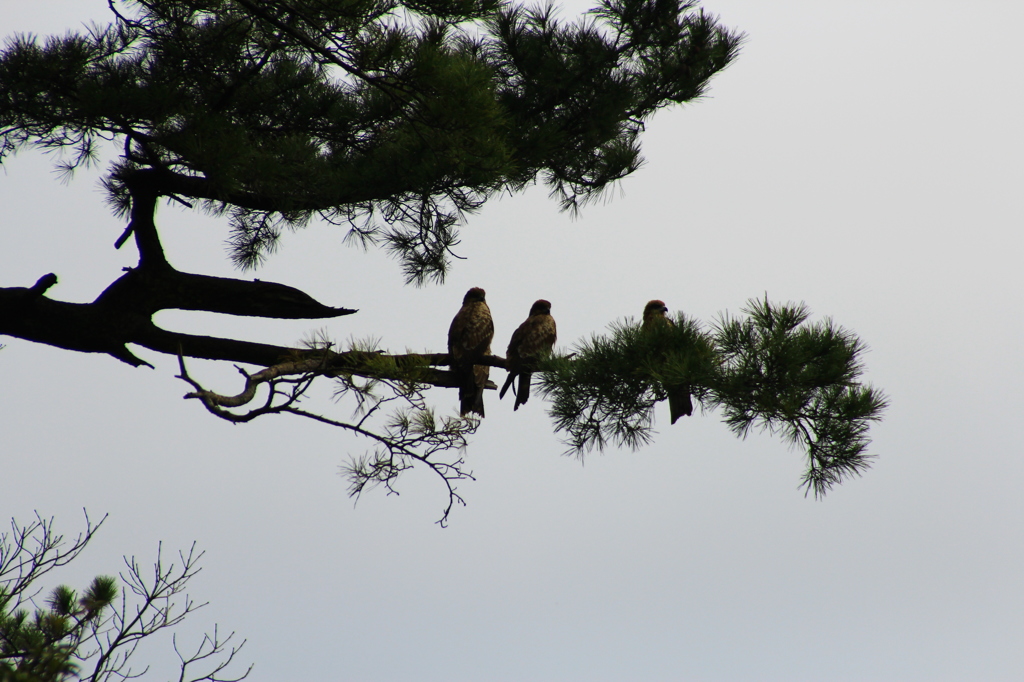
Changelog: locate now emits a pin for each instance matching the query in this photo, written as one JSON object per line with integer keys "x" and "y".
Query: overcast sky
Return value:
{"x": 864, "y": 158}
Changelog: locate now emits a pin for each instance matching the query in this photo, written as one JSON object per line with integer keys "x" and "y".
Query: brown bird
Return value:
{"x": 533, "y": 340}
{"x": 469, "y": 337}
{"x": 679, "y": 400}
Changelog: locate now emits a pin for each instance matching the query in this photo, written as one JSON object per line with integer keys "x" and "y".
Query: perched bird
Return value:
{"x": 679, "y": 400}
{"x": 534, "y": 339}
{"x": 469, "y": 337}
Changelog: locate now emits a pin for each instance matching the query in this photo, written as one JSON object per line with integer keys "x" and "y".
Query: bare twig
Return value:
{"x": 411, "y": 435}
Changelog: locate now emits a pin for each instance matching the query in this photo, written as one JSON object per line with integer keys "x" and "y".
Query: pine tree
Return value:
{"x": 394, "y": 120}
{"x": 95, "y": 636}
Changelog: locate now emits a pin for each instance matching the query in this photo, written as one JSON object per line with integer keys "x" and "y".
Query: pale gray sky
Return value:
{"x": 862, "y": 157}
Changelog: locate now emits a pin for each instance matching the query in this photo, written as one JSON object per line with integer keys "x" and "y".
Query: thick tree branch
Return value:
{"x": 168, "y": 183}
{"x": 123, "y": 315}
{"x": 147, "y": 291}
{"x": 329, "y": 363}
{"x": 143, "y": 223}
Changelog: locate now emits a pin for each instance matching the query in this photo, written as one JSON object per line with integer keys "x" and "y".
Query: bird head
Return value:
{"x": 540, "y": 307}
{"x": 655, "y": 307}
{"x": 474, "y": 294}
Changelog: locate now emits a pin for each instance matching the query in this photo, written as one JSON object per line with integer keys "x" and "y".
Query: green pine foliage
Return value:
{"x": 43, "y": 646}
{"x": 392, "y": 119}
{"x": 770, "y": 370}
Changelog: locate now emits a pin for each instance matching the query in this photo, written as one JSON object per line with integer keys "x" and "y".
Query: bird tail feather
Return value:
{"x": 524, "y": 390}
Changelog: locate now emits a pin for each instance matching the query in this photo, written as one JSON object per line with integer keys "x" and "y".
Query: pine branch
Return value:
{"x": 771, "y": 370}
{"x": 411, "y": 434}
